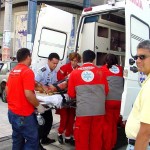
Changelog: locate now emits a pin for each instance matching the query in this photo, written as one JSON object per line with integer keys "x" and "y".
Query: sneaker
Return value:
{"x": 47, "y": 141}
{"x": 60, "y": 139}
{"x": 70, "y": 141}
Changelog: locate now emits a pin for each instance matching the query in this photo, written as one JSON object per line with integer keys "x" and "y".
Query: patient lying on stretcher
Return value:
{"x": 51, "y": 89}
{"x": 54, "y": 94}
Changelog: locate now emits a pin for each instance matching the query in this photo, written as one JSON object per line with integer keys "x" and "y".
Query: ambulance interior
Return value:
{"x": 104, "y": 33}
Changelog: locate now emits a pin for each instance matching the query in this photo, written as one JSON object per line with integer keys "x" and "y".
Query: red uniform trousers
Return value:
{"x": 67, "y": 117}
{"x": 110, "y": 123}
{"x": 88, "y": 132}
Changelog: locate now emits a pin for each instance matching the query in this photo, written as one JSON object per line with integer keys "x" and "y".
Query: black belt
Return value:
{"x": 132, "y": 142}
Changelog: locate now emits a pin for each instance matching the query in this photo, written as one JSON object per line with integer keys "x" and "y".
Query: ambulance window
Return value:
{"x": 102, "y": 32}
{"x": 136, "y": 35}
{"x": 117, "y": 42}
{"x": 91, "y": 19}
{"x": 114, "y": 18}
{"x": 52, "y": 42}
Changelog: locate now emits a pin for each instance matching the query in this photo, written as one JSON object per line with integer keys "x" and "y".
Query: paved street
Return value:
{"x": 5, "y": 133}
{"x": 5, "y": 128}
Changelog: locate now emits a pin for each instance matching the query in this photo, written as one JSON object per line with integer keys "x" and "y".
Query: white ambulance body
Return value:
{"x": 114, "y": 28}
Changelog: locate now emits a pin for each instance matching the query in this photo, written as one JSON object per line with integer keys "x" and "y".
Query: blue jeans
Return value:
{"x": 131, "y": 147}
{"x": 25, "y": 131}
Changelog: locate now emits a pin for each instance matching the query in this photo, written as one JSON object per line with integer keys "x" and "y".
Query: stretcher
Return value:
{"x": 55, "y": 100}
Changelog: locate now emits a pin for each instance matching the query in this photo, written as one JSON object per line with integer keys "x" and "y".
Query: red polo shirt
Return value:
{"x": 21, "y": 78}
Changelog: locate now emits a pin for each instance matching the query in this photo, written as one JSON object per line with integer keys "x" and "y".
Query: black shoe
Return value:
{"x": 70, "y": 141}
{"x": 60, "y": 139}
{"x": 47, "y": 141}
{"x": 41, "y": 147}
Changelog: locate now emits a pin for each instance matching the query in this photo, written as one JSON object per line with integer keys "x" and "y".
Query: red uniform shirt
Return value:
{"x": 21, "y": 78}
{"x": 116, "y": 70}
{"x": 64, "y": 71}
{"x": 114, "y": 77}
{"x": 89, "y": 85}
{"x": 77, "y": 80}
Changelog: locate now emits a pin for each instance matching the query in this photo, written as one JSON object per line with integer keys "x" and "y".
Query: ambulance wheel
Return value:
{"x": 3, "y": 85}
{"x": 4, "y": 96}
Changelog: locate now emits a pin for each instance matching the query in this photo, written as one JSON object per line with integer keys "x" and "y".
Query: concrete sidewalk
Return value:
{"x": 5, "y": 127}
{"x": 6, "y": 131}
{"x": 6, "y": 141}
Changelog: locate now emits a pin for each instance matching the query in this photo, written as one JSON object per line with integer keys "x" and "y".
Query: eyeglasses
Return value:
{"x": 141, "y": 57}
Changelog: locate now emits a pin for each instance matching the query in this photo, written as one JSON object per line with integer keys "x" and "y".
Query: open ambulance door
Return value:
{"x": 137, "y": 29}
{"x": 52, "y": 35}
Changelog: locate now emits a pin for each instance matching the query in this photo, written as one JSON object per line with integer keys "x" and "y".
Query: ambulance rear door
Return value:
{"x": 137, "y": 30}
{"x": 52, "y": 35}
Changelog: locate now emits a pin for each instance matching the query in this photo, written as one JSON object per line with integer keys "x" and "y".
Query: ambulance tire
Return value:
{"x": 4, "y": 99}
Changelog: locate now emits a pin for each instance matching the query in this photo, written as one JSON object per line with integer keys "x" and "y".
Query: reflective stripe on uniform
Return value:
{"x": 115, "y": 87}
{"x": 90, "y": 100}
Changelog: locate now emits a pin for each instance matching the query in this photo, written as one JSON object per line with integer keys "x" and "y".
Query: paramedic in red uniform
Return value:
{"x": 21, "y": 104}
{"x": 67, "y": 115}
{"x": 89, "y": 85}
{"x": 114, "y": 75}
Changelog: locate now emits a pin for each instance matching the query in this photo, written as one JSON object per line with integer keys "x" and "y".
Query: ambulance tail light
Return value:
{"x": 87, "y": 9}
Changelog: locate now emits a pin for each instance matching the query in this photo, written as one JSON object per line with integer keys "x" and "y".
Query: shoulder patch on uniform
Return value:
{"x": 87, "y": 76}
{"x": 43, "y": 69}
{"x": 114, "y": 69}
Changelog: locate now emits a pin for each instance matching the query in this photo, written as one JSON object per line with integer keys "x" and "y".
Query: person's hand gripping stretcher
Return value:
{"x": 53, "y": 94}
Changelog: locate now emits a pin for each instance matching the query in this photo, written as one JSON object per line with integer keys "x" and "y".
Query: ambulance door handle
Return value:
{"x": 134, "y": 69}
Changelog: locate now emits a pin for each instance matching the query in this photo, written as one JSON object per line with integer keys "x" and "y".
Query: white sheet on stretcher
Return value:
{"x": 55, "y": 100}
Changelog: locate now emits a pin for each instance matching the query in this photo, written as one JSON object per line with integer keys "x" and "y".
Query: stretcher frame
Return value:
{"x": 70, "y": 103}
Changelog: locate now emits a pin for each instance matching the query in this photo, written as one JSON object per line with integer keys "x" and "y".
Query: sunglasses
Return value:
{"x": 141, "y": 57}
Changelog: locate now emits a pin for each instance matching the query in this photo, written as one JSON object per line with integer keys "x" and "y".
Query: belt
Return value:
{"x": 132, "y": 142}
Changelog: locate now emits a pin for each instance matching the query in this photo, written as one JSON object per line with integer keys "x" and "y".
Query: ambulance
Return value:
{"x": 115, "y": 27}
